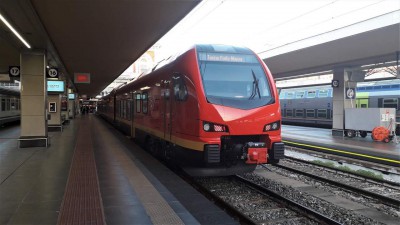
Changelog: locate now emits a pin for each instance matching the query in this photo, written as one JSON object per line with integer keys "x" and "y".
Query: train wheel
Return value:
{"x": 363, "y": 133}
{"x": 350, "y": 133}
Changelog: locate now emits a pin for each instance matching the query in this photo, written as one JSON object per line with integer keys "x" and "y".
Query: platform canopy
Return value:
{"x": 371, "y": 42}
{"x": 100, "y": 37}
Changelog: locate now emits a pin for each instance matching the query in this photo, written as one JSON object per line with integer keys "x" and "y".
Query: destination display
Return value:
{"x": 226, "y": 57}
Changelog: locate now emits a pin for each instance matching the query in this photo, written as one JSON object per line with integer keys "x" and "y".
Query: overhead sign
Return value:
{"x": 55, "y": 86}
{"x": 14, "y": 71}
{"x": 82, "y": 78}
{"x": 335, "y": 83}
{"x": 350, "y": 93}
{"x": 52, "y": 73}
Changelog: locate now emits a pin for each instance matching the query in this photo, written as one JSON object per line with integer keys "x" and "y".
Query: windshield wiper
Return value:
{"x": 256, "y": 89}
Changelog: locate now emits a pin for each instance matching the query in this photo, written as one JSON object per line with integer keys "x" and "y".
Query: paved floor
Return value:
{"x": 135, "y": 188}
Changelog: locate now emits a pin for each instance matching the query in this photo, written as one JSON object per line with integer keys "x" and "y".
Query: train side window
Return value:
{"x": 145, "y": 102}
{"x": 3, "y": 104}
{"x": 322, "y": 113}
{"x": 323, "y": 93}
{"x": 311, "y": 94}
{"x": 138, "y": 101}
{"x": 300, "y": 94}
{"x": 8, "y": 104}
{"x": 289, "y": 95}
{"x": 180, "y": 90}
{"x": 310, "y": 113}
{"x": 299, "y": 113}
{"x": 129, "y": 109}
{"x": 289, "y": 112}
{"x": 390, "y": 103}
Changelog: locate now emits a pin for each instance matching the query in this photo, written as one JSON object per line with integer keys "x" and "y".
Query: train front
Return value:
{"x": 240, "y": 116}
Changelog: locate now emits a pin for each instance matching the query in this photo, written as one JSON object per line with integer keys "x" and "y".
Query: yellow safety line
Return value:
{"x": 345, "y": 152}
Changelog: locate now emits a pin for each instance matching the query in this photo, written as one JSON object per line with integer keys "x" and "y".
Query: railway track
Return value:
{"x": 255, "y": 204}
{"x": 384, "y": 193}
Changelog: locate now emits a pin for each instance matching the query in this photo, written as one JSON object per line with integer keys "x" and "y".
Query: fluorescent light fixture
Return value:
{"x": 14, "y": 31}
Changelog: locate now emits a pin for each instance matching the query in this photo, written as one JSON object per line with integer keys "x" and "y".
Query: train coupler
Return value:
{"x": 256, "y": 153}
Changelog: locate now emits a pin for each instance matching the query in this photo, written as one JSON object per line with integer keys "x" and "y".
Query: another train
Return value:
{"x": 312, "y": 105}
{"x": 213, "y": 110}
{"x": 9, "y": 105}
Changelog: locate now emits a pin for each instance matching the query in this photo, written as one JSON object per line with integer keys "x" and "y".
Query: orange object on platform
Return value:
{"x": 380, "y": 134}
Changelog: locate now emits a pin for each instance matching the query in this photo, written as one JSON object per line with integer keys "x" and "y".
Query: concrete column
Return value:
{"x": 339, "y": 101}
{"x": 33, "y": 100}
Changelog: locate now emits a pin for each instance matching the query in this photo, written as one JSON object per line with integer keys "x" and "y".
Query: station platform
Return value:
{"x": 320, "y": 139}
{"x": 92, "y": 174}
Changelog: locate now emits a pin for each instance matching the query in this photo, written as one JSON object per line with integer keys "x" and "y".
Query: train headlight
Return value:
{"x": 213, "y": 127}
{"x": 272, "y": 126}
{"x": 206, "y": 126}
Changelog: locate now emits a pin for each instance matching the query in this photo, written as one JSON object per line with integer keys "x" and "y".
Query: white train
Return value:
{"x": 10, "y": 105}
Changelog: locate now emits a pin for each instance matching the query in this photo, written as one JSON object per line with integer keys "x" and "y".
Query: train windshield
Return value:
{"x": 234, "y": 80}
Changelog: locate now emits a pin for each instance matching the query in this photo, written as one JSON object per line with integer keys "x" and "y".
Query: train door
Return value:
{"x": 166, "y": 95}
{"x": 362, "y": 103}
{"x": 132, "y": 115}
{"x": 362, "y": 100}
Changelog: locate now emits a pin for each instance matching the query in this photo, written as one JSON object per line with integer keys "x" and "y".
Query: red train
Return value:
{"x": 213, "y": 110}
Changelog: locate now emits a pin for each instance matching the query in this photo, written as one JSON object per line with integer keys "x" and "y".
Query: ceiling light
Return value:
{"x": 14, "y": 31}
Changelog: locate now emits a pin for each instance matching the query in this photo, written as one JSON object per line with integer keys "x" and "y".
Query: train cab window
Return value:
{"x": 311, "y": 94}
{"x": 390, "y": 103}
{"x": 180, "y": 90}
{"x": 310, "y": 113}
{"x": 145, "y": 103}
{"x": 322, "y": 113}
{"x": 323, "y": 93}
{"x": 300, "y": 94}
{"x": 290, "y": 95}
{"x": 138, "y": 101}
{"x": 299, "y": 113}
{"x": 239, "y": 84}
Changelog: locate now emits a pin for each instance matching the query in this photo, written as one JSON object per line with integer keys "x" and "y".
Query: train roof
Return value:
{"x": 9, "y": 91}
{"x": 198, "y": 47}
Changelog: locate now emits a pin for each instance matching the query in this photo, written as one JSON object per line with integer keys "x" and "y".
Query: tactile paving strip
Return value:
{"x": 82, "y": 202}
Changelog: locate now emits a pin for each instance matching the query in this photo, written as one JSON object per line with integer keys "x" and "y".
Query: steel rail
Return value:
{"x": 309, "y": 211}
{"x": 391, "y": 201}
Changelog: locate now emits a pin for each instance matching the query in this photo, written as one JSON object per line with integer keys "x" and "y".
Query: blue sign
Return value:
{"x": 71, "y": 96}
{"x": 55, "y": 86}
